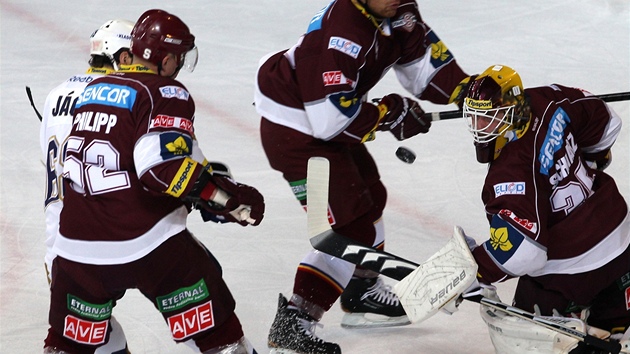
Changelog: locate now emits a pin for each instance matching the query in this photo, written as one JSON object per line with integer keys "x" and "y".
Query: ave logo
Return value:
{"x": 86, "y": 332}
{"x": 192, "y": 321}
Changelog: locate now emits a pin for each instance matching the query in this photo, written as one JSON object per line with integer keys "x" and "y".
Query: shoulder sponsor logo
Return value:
{"x": 174, "y": 92}
{"x": 407, "y": 21}
{"x": 553, "y": 140}
{"x": 85, "y": 332}
{"x": 164, "y": 121}
{"x": 509, "y": 188}
{"x": 345, "y": 46}
{"x": 526, "y": 224}
{"x": 192, "y": 321}
{"x": 109, "y": 95}
{"x": 336, "y": 78}
{"x": 182, "y": 297}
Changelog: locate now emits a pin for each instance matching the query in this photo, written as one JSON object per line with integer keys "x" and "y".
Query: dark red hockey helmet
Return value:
{"x": 158, "y": 33}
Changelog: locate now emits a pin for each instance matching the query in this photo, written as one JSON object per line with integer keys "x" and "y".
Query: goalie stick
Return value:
{"x": 326, "y": 240}
{"x": 609, "y": 97}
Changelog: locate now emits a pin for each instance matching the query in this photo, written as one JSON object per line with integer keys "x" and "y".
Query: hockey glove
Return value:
{"x": 599, "y": 161}
{"x": 402, "y": 116}
{"x": 217, "y": 169}
{"x": 233, "y": 201}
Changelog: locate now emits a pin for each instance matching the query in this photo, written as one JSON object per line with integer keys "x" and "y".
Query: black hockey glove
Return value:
{"x": 402, "y": 116}
{"x": 598, "y": 161}
{"x": 227, "y": 199}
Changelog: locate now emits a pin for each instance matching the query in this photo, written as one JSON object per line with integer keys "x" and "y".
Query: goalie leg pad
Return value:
{"x": 512, "y": 335}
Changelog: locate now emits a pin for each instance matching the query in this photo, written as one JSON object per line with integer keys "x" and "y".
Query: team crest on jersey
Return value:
{"x": 175, "y": 145}
{"x": 504, "y": 240}
{"x": 174, "y": 92}
{"x": 407, "y": 21}
{"x": 440, "y": 54}
{"x": 345, "y": 46}
{"x": 509, "y": 188}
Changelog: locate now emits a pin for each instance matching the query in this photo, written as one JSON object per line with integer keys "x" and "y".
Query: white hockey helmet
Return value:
{"x": 112, "y": 36}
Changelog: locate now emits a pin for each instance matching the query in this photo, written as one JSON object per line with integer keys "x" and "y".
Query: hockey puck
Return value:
{"x": 405, "y": 155}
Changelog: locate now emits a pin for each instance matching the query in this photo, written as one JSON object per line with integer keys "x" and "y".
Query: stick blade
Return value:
{"x": 442, "y": 278}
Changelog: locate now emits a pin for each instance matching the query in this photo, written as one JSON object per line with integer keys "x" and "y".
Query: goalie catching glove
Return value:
{"x": 226, "y": 199}
{"x": 402, "y": 116}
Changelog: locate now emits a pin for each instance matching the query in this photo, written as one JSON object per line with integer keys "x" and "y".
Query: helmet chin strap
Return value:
{"x": 485, "y": 151}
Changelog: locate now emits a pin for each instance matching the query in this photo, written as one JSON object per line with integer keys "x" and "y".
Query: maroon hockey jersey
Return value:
{"x": 549, "y": 212}
{"x": 130, "y": 156}
{"x": 319, "y": 86}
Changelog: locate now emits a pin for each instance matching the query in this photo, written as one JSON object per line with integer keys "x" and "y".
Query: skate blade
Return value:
{"x": 273, "y": 350}
{"x": 370, "y": 320}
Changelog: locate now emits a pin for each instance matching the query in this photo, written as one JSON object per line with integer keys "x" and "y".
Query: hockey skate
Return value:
{"x": 292, "y": 332}
{"x": 368, "y": 302}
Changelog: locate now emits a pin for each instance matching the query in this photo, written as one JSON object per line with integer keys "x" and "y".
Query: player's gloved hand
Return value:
{"x": 475, "y": 289}
{"x": 472, "y": 243}
{"x": 402, "y": 116}
{"x": 227, "y": 199}
{"x": 599, "y": 161}
{"x": 241, "y": 202}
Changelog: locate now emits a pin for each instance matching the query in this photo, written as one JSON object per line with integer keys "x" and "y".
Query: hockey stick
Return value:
{"x": 324, "y": 239}
{"x": 30, "y": 98}
{"x": 609, "y": 97}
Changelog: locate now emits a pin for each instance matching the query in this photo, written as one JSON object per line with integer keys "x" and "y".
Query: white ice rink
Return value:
{"x": 584, "y": 43}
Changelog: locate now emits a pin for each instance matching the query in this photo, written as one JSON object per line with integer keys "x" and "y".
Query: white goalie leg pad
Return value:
{"x": 513, "y": 335}
{"x": 439, "y": 280}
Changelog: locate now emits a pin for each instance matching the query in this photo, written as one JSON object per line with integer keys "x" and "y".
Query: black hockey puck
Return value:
{"x": 405, "y": 155}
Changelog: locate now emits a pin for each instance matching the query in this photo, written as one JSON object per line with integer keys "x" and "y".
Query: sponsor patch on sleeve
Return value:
{"x": 174, "y": 92}
{"x": 509, "y": 188}
{"x": 175, "y": 145}
{"x": 182, "y": 178}
{"x": 504, "y": 240}
{"x": 165, "y": 121}
{"x": 345, "y": 46}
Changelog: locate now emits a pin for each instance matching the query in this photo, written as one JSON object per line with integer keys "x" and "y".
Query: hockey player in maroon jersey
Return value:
{"x": 313, "y": 102}
{"x": 557, "y": 221}
{"x": 133, "y": 169}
